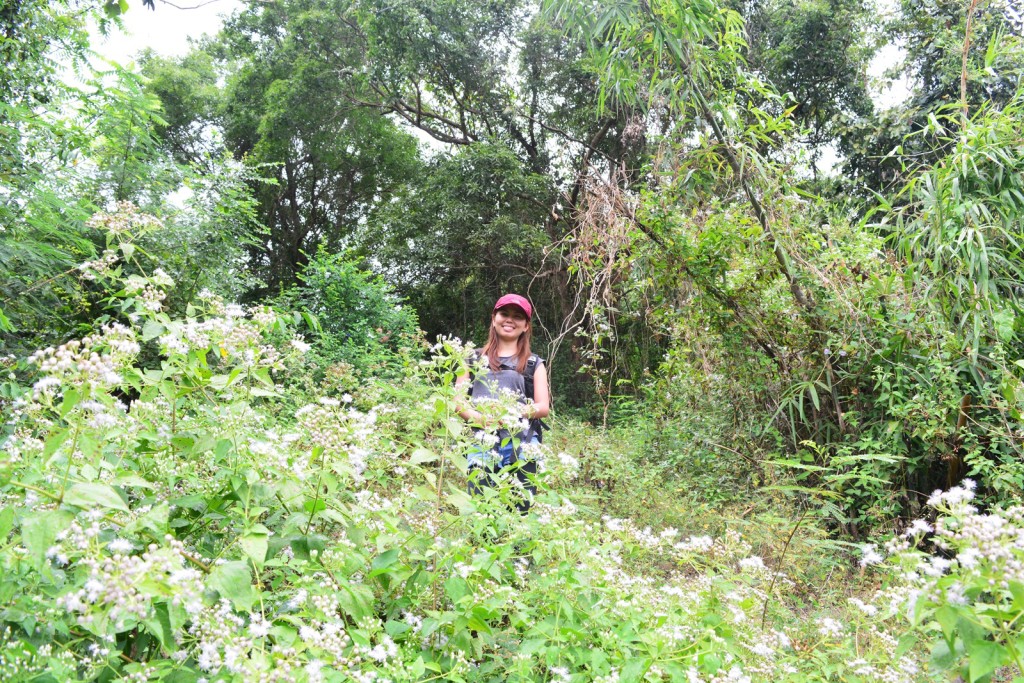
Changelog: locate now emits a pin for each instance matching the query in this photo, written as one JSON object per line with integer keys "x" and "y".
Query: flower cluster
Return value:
{"x": 101, "y": 267}
{"x": 126, "y": 219}
{"x": 121, "y": 587}
{"x": 96, "y": 360}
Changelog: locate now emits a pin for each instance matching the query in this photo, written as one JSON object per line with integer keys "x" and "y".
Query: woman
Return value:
{"x": 511, "y": 368}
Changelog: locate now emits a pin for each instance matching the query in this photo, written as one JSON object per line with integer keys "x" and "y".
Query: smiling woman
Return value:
{"x": 509, "y": 396}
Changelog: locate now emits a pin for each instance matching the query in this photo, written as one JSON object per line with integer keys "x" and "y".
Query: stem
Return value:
{"x": 775, "y": 575}
{"x": 316, "y": 497}
{"x": 71, "y": 457}
{"x": 312, "y": 510}
{"x": 36, "y": 489}
{"x": 963, "y": 63}
{"x": 1010, "y": 646}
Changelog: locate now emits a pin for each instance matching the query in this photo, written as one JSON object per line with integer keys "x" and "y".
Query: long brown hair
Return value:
{"x": 522, "y": 347}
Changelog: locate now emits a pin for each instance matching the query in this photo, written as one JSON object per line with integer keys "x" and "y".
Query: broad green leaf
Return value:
{"x": 233, "y": 580}
{"x": 421, "y": 456}
{"x": 456, "y": 588}
{"x": 159, "y": 625}
{"x": 6, "y": 522}
{"x": 1017, "y": 591}
{"x": 356, "y": 600}
{"x": 947, "y": 615}
{"x": 54, "y": 441}
{"x": 94, "y": 495}
{"x": 383, "y": 561}
{"x": 254, "y": 544}
{"x": 418, "y": 667}
{"x": 634, "y": 670}
{"x": 39, "y": 532}
{"x": 984, "y": 656}
{"x": 151, "y": 330}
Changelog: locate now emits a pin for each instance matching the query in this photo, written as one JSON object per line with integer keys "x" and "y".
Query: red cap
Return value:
{"x": 515, "y": 300}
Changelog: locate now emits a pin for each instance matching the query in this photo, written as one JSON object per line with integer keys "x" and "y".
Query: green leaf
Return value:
{"x": 255, "y": 543}
{"x": 383, "y": 561}
{"x": 232, "y": 580}
{"x": 6, "y": 522}
{"x": 133, "y": 481}
{"x": 418, "y": 667}
{"x": 94, "y": 495}
{"x": 422, "y": 456}
{"x": 40, "y": 531}
{"x": 984, "y": 656}
{"x": 532, "y": 646}
{"x": 151, "y": 330}
{"x": 71, "y": 398}
{"x": 635, "y": 670}
{"x": 947, "y": 616}
{"x": 356, "y": 600}
{"x": 456, "y": 588}
{"x": 159, "y": 625}
{"x": 1017, "y": 591}
{"x": 906, "y": 643}
{"x": 54, "y": 442}
{"x": 314, "y": 506}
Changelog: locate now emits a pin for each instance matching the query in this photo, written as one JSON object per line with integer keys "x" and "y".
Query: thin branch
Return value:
{"x": 188, "y": 7}
{"x": 963, "y": 67}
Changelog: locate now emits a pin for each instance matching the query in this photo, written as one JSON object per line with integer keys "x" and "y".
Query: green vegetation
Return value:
{"x": 787, "y": 433}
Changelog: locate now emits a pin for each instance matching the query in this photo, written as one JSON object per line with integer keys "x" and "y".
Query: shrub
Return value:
{"x": 360, "y": 321}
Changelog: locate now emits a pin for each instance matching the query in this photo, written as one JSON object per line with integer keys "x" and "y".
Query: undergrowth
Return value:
{"x": 232, "y": 514}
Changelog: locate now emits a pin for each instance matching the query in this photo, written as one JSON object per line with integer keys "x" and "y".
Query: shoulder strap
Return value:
{"x": 536, "y": 426}
{"x": 531, "y": 367}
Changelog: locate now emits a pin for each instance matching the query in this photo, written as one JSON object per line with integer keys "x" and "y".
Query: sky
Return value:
{"x": 166, "y": 30}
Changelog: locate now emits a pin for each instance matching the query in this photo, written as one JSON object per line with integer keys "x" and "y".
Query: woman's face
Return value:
{"x": 510, "y": 322}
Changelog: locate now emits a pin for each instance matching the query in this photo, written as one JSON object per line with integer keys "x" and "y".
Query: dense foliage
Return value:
{"x": 314, "y": 537}
{"x": 788, "y": 399}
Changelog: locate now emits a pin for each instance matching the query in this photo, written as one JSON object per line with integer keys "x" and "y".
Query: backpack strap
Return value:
{"x": 528, "y": 371}
{"x": 537, "y": 426}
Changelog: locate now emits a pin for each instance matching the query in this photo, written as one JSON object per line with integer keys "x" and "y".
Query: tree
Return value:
{"x": 818, "y": 53}
{"x": 957, "y": 58}
{"x": 498, "y": 82}
{"x": 42, "y": 235}
{"x": 285, "y": 109}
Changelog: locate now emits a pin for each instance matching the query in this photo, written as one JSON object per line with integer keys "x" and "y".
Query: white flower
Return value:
{"x": 870, "y": 555}
{"x": 259, "y": 627}
{"x": 827, "y": 626}
{"x": 161, "y": 278}
{"x": 120, "y": 546}
{"x": 918, "y": 527}
{"x": 696, "y": 544}
{"x": 753, "y": 563}
{"x": 560, "y": 673}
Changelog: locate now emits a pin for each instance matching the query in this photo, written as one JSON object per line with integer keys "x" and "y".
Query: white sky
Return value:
{"x": 166, "y": 30}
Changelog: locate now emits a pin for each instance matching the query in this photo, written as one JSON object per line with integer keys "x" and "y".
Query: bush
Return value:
{"x": 359, "y": 320}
